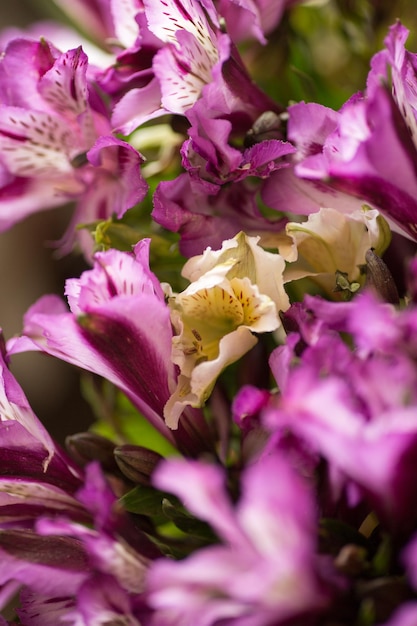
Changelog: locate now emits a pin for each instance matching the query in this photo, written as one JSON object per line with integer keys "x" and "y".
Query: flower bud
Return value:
{"x": 380, "y": 278}
{"x": 87, "y": 447}
{"x": 136, "y": 463}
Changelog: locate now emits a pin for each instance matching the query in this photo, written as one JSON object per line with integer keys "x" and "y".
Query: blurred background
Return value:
{"x": 320, "y": 51}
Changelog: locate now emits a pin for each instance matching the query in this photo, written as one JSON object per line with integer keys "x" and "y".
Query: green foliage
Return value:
{"x": 118, "y": 420}
{"x": 176, "y": 531}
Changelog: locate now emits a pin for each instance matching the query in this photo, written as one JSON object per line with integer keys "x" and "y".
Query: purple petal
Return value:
{"x": 206, "y": 217}
{"x": 48, "y": 565}
{"x": 124, "y": 184}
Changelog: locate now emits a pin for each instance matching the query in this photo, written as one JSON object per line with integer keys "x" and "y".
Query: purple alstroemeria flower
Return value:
{"x": 36, "y": 478}
{"x": 118, "y": 327}
{"x": 183, "y": 42}
{"x": 265, "y": 570}
{"x": 64, "y": 565}
{"x": 209, "y": 155}
{"x": 355, "y": 408}
{"x": 27, "y": 450}
{"x": 56, "y": 142}
{"x": 202, "y": 200}
{"x": 189, "y": 57}
{"x": 347, "y": 151}
{"x": 63, "y": 540}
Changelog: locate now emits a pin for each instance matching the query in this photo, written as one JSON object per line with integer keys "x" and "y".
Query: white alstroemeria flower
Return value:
{"x": 234, "y": 292}
{"x": 329, "y": 242}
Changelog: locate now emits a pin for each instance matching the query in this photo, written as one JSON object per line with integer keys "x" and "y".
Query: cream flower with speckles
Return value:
{"x": 235, "y": 291}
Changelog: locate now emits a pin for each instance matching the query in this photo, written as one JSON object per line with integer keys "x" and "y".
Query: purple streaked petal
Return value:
{"x": 23, "y": 500}
{"x": 123, "y": 331}
{"x": 38, "y": 610}
{"x": 48, "y": 565}
{"x": 28, "y": 58}
{"x": 187, "y": 15}
{"x": 103, "y": 345}
{"x": 206, "y": 216}
{"x": 106, "y": 554}
{"x": 180, "y": 86}
{"x": 202, "y": 489}
{"x": 64, "y": 86}
{"x": 36, "y": 143}
{"x": 124, "y": 183}
{"x": 138, "y": 106}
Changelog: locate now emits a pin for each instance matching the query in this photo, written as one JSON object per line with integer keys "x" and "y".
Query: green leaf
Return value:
{"x": 144, "y": 500}
{"x": 187, "y": 523}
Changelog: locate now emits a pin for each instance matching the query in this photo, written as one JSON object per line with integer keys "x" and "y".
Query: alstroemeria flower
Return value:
{"x": 56, "y": 142}
{"x": 347, "y": 150}
{"x": 64, "y": 562}
{"x": 329, "y": 242}
{"x": 234, "y": 292}
{"x": 191, "y": 57}
{"x": 62, "y": 540}
{"x": 209, "y": 155}
{"x": 118, "y": 327}
{"x": 187, "y": 45}
{"x": 265, "y": 569}
{"x": 355, "y": 408}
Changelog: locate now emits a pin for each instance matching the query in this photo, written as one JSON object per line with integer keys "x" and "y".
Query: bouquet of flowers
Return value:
{"x": 247, "y": 315}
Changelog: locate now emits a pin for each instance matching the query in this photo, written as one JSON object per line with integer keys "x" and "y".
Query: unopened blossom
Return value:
{"x": 264, "y": 571}
{"x": 234, "y": 292}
